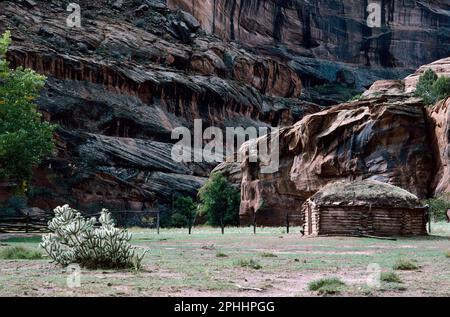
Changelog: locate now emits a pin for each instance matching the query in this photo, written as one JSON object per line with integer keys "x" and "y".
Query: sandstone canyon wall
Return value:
{"x": 412, "y": 33}
{"x": 439, "y": 121}
{"x": 310, "y": 34}
{"x": 384, "y": 139}
{"x": 121, "y": 83}
{"x": 387, "y": 135}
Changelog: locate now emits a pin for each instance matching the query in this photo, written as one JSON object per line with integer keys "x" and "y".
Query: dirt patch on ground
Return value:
{"x": 181, "y": 265}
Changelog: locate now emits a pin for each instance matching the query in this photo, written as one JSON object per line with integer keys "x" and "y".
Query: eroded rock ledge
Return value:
{"x": 384, "y": 139}
{"x": 118, "y": 86}
{"x": 388, "y": 135}
{"x": 332, "y": 30}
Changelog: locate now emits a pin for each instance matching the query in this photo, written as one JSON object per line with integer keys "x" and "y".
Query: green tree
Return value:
{"x": 432, "y": 88}
{"x": 220, "y": 202}
{"x": 24, "y": 137}
{"x": 441, "y": 88}
{"x": 438, "y": 208}
{"x": 185, "y": 212}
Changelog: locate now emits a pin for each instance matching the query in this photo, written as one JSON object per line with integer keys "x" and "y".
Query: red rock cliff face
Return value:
{"x": 121, "y": 83}
{"x": 413, "y": 33}
{"x": 439, "y": 122}
{"x": 384, "y": 139}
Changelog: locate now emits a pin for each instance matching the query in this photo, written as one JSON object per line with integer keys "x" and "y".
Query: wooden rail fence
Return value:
{"x": 25, "y": 223}
{"x": 38, "y": 223}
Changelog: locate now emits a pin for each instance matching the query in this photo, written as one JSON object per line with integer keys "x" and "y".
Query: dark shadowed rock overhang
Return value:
{"x": 120, "y": 84}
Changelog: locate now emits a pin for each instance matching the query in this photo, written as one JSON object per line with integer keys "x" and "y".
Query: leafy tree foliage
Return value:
{"x": 220, "y": 201}
{"x": 433, "y": 88}
{"x": 441, "y": 88}
{"x": 185, "y": 212}
{"x": 438, "y": 208}
{"x": 24, "y": 138}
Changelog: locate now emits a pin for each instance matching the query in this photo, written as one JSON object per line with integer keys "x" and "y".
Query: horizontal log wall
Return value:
{"x": 368, "y": 221}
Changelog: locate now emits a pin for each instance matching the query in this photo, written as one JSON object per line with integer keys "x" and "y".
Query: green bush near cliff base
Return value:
{"x": 185, "y": 213}
{"x": 356, "y": 97}
{"x": 438, "y": 208}
{"x": 432, "y": 88}
{"x": 24, "y": 137}
{"x": 12, "y": 207}
{"x": 220, "y": 201}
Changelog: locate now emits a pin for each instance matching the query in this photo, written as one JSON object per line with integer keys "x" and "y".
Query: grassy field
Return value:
{"x": 239, "y": 263}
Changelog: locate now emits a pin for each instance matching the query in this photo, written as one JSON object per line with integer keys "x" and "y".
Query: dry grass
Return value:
{"x": 390, "y": 277}
{"x": 249, "y": 263}
{"x": 268, "y": 255}
{"x": 405, "y": 265}
{"x": 19, "y": 253}
{"x": 327, "y": 286}
{"x": 178, "y": 264}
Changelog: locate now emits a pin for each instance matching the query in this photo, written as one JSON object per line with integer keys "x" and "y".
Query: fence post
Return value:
{"x": 287, "y": 223}
{"x": 190, "y": 224}
{"x": 254, "y": 222}
{"x": 27, "y": 220}
{"x": 157, "y": 222}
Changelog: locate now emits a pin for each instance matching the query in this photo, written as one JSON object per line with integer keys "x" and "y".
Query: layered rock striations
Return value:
{"x": 121, "y": 83}
{"x": 439, "y": 124}
{"x": 411, "y": 33}
{"x": 330, "y": 41}
{"x": 388, "y": 135}
{"x": 384, "y": 139}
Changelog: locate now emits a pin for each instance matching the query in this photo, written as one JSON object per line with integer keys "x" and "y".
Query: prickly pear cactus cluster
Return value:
{"x": 74, "y": 239}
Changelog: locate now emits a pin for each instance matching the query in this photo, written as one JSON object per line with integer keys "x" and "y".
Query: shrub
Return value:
{"x": 405, "y": 265}
{"x": 268, "y": 255}
{"x": 19, "y": 253}
{"x": 249, "y": 263}
{"x": 185, "y": 212}
{"x": 221, "y": 255}
{"x": 12, "y": 206}
{"x": 24, "y": 138}
{"x": 447, "y": 254}
{"x": 390, "y": 277}
{"x": 74, "y": 239}
{"x": 220, "y": 201}
{"x": 441, "y": 88}
{"x": 438, "y": 208}
{"x": 424, "y": 85}
{"x": 327, "y": 286}
{"x": 394, "y": 287}
{"x": 432, "y": 88}
{"x": 356, "y": 97}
